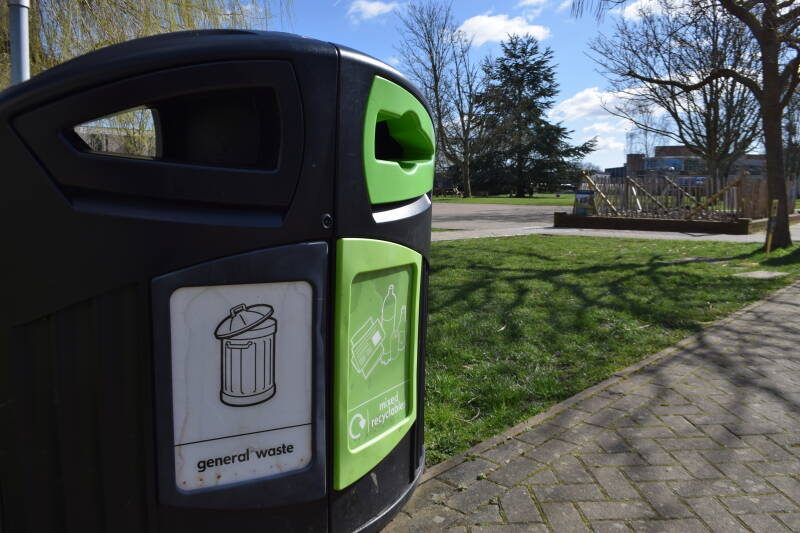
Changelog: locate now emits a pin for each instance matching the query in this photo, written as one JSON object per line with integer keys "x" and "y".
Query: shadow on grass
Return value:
{"x": 790, "y": 259}
{"x": 500, "y": 314}
{"x": 673, "y": 286}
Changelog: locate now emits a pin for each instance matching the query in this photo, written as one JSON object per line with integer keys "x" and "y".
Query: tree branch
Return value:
{"x": 644, "y": 126}
{"x": 715, "y": 74}
{"x": 794, "y": 81}
{"x": 789, "y": 77}
{"x": 745, "y": 15}
{"x": 789, "y": 16}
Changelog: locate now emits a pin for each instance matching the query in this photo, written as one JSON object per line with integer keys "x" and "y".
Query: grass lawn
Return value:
{"x": 539, "y": 199}
{"x": 518, "y": 324}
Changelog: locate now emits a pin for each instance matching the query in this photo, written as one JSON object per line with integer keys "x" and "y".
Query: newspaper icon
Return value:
{"x": 381, "y": 339}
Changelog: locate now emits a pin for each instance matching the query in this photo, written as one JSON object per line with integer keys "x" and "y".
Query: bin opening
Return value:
{"x": 129, "y": 133}
{"x": 234, "y": 128}
{"x": 402, "y": 140}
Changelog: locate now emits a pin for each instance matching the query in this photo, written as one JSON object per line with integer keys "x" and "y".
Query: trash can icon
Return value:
{"x": 247, "y": 338}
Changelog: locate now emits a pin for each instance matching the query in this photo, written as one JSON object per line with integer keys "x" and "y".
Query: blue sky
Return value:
{"x": 372, "y": 27}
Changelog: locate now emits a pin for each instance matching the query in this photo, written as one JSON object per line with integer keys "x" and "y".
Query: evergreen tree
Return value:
{"x": 526, "y": 147}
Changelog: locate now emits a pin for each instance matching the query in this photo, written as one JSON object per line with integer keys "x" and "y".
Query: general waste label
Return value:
{"x": 241, "y": 382}
{"x": 378, "y": 354}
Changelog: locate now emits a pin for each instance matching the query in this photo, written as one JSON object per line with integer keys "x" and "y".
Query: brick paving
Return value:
{"x": 704, "y": 436}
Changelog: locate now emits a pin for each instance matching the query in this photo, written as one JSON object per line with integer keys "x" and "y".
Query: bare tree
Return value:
{"x": 437, "y": 57}
{"x": 591, "y": 168}
{"x": 462, "y": 129}
{"x": 648, "y": 125}
{"x": 719, "y": 122}
{"x": 426, "y": 49}
{"x": 775, "y": 26}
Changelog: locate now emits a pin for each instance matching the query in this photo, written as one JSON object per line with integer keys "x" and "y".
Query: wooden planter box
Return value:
{"x": 742, "y": 226}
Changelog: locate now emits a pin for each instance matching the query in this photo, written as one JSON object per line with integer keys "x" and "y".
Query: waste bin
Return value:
{"x": 215, "y": 288}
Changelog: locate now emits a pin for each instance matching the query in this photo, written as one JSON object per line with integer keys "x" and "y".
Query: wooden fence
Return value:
{"x": 659, "y": 195}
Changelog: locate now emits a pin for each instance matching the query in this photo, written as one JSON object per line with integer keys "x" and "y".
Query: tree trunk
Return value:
{"x": 465, "y": 176}
{"x": 713, "y": 175}
{"x": 520, "y": 192}
{"x": 520, "y": 179}
{"x": 771, "y": 115}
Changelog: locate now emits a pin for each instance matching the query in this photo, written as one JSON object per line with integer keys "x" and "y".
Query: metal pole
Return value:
{"x": 20, "y": 45}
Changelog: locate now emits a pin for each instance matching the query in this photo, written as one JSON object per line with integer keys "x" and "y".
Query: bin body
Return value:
{"x": 189, "y": 330}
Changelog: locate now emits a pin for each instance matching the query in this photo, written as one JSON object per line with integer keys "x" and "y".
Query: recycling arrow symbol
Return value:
{"x": 358, "y": 422}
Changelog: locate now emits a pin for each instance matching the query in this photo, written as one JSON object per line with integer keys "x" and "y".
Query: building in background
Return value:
{"x": 681, "y": 161}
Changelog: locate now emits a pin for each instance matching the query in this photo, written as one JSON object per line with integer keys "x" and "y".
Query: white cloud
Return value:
{"x": 608, "y": 143}
{"x": 585, "y": 104}
{"x": 600, "y": 127}
{"x": 394, "y": 60}
{"x": 566, "y": 4}
{"x": 366, "y": 9}
{"x": 485, "y": 28}
{"x": 532, "y": 8}
{"x": 633, "y": 11}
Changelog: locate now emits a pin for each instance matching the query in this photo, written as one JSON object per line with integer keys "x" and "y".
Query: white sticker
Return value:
{"x": 241, "y": 382}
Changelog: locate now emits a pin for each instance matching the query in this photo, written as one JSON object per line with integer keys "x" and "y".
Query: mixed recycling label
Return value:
{"x": 241, "y": 382}
{"x": 378, "y": 354}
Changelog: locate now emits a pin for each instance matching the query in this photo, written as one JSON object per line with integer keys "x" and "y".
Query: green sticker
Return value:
{"x": 377, "y": 312}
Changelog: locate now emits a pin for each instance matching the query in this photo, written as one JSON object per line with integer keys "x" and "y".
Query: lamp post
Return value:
{"x": 20, "y": 45}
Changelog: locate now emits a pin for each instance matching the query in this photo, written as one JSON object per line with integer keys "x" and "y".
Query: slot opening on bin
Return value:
{"x": 402, "y": 140}
{"x": 398, "y": 144}
{"x": 233, "y": 128}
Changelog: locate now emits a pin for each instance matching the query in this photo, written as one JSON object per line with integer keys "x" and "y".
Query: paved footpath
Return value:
{"x": 704, "y": 436}
{"x": 474, "y": 221}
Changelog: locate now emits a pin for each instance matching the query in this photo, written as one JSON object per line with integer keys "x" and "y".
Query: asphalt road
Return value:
{"x": 472, "y": 221}
{"x": 491, "y": 216}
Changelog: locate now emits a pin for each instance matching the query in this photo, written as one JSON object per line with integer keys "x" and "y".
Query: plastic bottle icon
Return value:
{"x": 401, "y": 332}
{"x": 388, "y": 315}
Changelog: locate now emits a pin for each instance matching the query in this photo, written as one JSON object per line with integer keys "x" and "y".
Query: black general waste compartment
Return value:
{"x": 215, "y": 281}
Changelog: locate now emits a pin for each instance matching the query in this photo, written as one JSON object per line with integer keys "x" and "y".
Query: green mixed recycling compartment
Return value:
{"x": 375, "y": 353}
